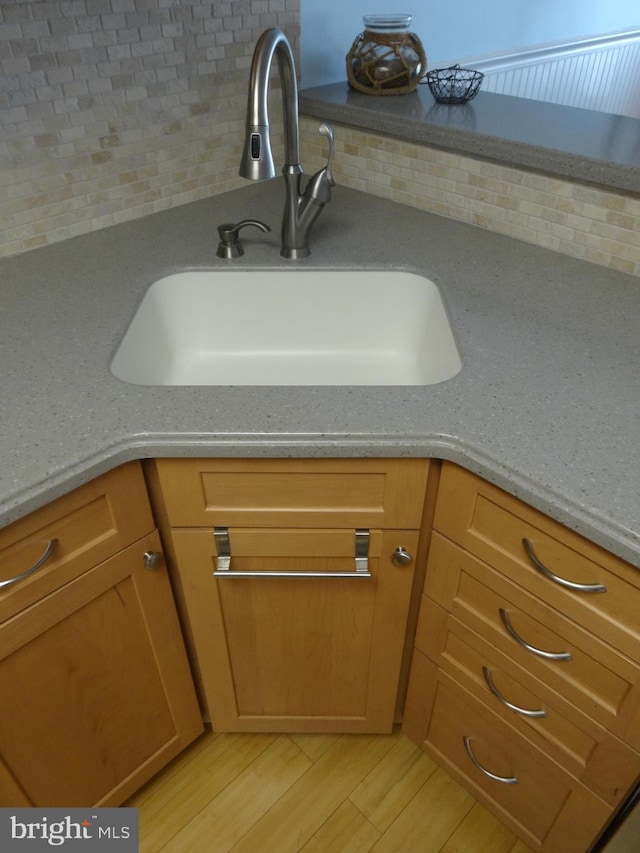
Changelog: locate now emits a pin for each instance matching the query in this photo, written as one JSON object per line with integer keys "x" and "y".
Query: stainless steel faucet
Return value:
{"x": 301, "y": 209}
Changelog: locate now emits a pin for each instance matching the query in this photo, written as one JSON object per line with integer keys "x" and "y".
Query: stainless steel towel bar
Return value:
{"x": 223, "y": 561}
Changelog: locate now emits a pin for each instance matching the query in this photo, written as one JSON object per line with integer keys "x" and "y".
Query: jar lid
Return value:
{"x": 387, "y": 23}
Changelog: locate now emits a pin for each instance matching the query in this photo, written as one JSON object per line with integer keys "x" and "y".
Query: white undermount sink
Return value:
{"x": 289, "y": 327}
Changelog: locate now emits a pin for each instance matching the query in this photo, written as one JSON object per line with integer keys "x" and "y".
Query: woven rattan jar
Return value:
{"x": 386, "y": 59}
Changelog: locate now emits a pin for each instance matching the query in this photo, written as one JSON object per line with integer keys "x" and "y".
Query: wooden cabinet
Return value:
{"x": 95, "y": 690}
{"x": 344, "y": 493}
{"x": 531, "y": 794}
{"x": 296, "y": 634}
{"x": 527, "y": 665}
{"x": 79, "y": 530}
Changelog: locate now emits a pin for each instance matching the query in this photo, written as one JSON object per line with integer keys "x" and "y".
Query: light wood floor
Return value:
{"x": 270, "y": 793}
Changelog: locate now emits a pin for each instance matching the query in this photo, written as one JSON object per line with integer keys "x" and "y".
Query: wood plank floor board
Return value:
{"x": 430, "y": 818}
{"x": 298, "y": 815}
{"x": 278, "y": 793}
{"x": 479, "y": 832}
{"x": 223, "y": 821}
{"x": 346, "y": 831}
{"x": 521, "y": 847}
{"x": 390, "y": 786}
{"x": 314, "y": 745}
{"x": 176, "y": 796}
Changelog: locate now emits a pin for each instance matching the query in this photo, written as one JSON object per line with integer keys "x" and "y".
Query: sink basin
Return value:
{"x": 289, "y": 327}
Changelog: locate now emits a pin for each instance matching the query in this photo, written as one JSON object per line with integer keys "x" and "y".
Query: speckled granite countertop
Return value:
{"x": 566, "y": 142}
{"x": 547, "y": 404}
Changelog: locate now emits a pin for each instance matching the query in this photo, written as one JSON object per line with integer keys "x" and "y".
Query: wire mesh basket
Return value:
{"x": 454, "y": 85}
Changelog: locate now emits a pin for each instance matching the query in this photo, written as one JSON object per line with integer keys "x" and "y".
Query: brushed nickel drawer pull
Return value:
{"x": 223, "y": 561}
{"x": 526, "y": 712}
{"x": 506, "y": 780}
{"x": 43, "y": 559}
{"x": 506, "y": 621}
{"x": 567, "y": 584}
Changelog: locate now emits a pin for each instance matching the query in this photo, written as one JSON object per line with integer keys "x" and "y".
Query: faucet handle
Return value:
{"x": 327, "y": 131}
{"x": 318, "y": 189}
{"x": 230, "y": 245}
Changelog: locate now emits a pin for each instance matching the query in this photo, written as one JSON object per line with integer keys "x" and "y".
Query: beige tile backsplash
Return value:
{"x": 575, "y": 219}
{"x": 113, "y": 109}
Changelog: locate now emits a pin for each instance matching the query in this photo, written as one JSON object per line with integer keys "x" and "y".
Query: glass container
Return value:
{"x": 386, "y": 59}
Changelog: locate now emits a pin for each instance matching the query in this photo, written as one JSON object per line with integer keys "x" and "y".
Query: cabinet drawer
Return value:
{"x": 86, "y": 527}
{"x": 585, "y": 749}
{"x": 546, "y": 807}
{"x": 597, "y": 678}
{"x": 374, "y": 493}
{"x": 491, "y": 524}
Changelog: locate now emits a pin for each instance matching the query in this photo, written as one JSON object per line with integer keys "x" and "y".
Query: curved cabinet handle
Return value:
{"x": 34, "y": 568}
{"x": 567, "y": 584}
{"x": 526, "y": 712}
{"x": 506, "y": 780}
{"x": 506, "y": 621}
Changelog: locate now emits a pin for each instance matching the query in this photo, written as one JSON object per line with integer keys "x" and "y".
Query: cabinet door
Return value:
{"x": 95, "y": 690}
{"x": 299, "y": 653}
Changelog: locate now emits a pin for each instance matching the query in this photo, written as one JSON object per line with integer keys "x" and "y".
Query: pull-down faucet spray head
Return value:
{"x": 257, "y": 158}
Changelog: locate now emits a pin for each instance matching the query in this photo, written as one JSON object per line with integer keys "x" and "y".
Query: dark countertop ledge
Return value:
{"x": 565, "y": 142}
